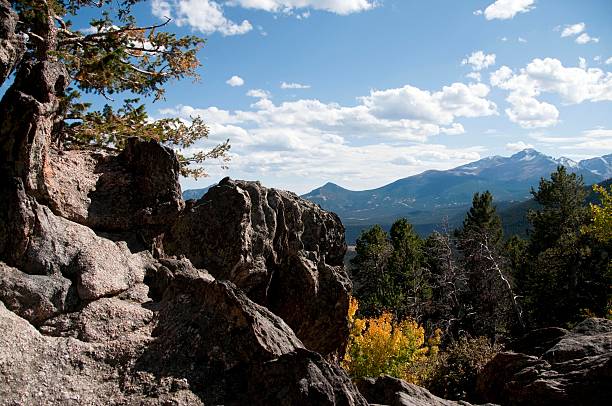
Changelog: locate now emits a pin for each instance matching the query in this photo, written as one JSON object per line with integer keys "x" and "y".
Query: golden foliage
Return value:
{"x": 381, "y": 345}
{"x": 601, "y": 226}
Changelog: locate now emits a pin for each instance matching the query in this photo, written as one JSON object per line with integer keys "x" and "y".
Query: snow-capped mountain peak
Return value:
{"x": 567, "y": 162}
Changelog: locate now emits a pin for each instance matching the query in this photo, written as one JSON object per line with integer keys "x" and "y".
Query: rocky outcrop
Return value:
{"x": 89, "y": 320}
{"x": 137, "y": 190}
{"x": 12, "y": 46}
{"x": 181, "y": 337}
{"x": 284, "y": 252}
{"x": 556, "y": 367}
{"x": 387, "y": 390}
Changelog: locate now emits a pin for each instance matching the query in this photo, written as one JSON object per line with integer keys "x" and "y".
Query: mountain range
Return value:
{"x": 508, "y": 178}
{"x": 429, "y": 197}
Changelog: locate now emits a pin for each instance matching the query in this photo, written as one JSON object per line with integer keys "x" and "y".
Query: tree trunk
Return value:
{"x": 27, "y": 113}
{"x": 12, "y": 45}
{"x": 29, "y": 109}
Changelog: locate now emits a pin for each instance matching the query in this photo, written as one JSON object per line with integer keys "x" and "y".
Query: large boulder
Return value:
{"x": 298, "y": 378}
{"x": 386, "y": 390}
{"x": 286, "y": 253}
{"x": 35, "y": 297}
{"x": 135, "y": 190}
{"x": 562, "y": 368}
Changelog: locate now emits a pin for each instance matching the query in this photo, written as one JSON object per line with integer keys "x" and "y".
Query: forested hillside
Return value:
{"x": 474, "y": 288}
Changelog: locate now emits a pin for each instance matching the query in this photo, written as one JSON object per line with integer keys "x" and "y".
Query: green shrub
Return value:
{"x": 454, "y": 376}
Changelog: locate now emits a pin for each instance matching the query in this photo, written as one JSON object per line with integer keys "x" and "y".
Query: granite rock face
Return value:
{"x": 89, "y": 318}
{"x": 181, "y": 337}
{"x": 137, "y": 190}
{"x": 46, "y": 244}
{"x": 284, "y": 252}
{"x": 558, "y": 367}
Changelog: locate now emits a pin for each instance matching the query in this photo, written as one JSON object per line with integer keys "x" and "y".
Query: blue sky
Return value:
{"x": 376, "y": 90}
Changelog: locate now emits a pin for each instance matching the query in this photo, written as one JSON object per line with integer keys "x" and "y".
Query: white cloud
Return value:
{"x": 479, "y": 60}
{"x": 474, "y": 75}
{"x": 285, "y": 85}
{"x": 582, "y": 63}
{"x": 440, "y": 108}
{"x": 477, "y": 12}
{"x": 506, "y": 9}
{"x": 598, "y": 133}
{"x": 161, "y": 9}
{"x": 235, "y": 81}
{"x": 314, "y": 142}
{"x": 573, "y": 84}
{"x": 573, "y": 29}
{"x": 342, "y": 7}
{"x": 593, "y": 142}
{"x": 609, "y": 61}
{"x": 528, "y": 112}
{"x": 585, "y": 38}
{"x": 521, "y": 39}
{"x": 455, "y": 129}
{"x": 205, "y": 16}
{"x": 258, "y": 94}
{"x": 517, "y": 146}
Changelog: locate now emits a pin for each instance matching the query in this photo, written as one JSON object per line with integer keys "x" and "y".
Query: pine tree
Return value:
{"x": 389, "y": 273}
{"x": 58, "y": 63}
{"x": 567, "y": 276}
{"x": 406, "y": 266}
{"x": 492, "y": 304}
{"x": 373, "y": 285}
{"x": 483, "y": 216}
{"x": 563, "y": 211}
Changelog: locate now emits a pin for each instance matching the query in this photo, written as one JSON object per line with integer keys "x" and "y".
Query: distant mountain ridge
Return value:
{"x": 429, "y": 197}
{"x": 195, "y": 194}
{"x": 508, "y": 178}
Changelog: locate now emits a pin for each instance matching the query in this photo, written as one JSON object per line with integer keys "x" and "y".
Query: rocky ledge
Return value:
{"x": 553, "y": 366}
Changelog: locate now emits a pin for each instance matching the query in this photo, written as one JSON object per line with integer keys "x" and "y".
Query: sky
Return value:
{"x": 364, "y": 92}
